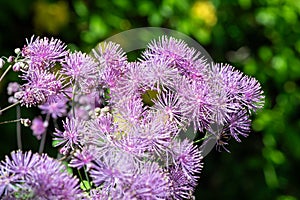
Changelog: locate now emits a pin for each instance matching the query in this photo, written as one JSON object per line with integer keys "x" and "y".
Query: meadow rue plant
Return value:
{"x": 125, "y": 123}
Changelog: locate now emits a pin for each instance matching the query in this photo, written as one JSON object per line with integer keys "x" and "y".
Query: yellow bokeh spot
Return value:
{"x": 50, "y": 17}
{"x": 205, "y": 11}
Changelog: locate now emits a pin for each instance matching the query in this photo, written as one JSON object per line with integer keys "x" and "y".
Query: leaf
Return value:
{"x": 85, "y": 185}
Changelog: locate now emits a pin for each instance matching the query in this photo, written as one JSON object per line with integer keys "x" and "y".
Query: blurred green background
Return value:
{"x": 261, "y": 38}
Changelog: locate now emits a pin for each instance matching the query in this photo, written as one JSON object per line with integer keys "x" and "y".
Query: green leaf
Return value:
{"x": 55, "y": 143}
{"x": 85, "y": 185}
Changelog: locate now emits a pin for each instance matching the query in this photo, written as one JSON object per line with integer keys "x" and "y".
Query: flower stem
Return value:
{"x": 73, "y": 101}
{"x": 81, "y": 179}
{"x": 202, "y": 139}
{"x": 19, "y": 137}
{"x": 43, "y": 140}
{"x": 11, "y": 121}
{"x": 5, "y": 72}
{"x": 86, "y": 175}
{"x": 55, "y": 123}
{"x": 8, "y": 107}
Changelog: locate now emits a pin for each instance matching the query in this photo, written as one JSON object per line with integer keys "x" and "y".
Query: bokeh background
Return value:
{"x": 261, "y": 38}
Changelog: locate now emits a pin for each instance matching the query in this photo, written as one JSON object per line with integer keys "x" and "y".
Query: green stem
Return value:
{"x": 86, "y": 175}
{"x": 202, "y": 139}
{"x": 81, "y": 179}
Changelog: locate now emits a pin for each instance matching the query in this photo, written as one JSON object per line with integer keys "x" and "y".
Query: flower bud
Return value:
{"x": 97, "y": 111}
{"x": 12, "y": 100}
{"x": 2, "y": 62}
{"x": 26, "y": 122}
{"x": 12, "y": 88}
{"x": 16, "y": 67}
{"x": 17, "y": 50}
{"x": 11, "y": 59}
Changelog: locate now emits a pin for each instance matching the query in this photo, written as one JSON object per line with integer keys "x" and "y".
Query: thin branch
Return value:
{"x": 19, "y": 138}
{"x": 5, "y": 72}
{"x": 8, "y": 107}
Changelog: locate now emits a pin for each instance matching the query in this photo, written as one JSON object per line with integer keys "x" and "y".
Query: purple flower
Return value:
{"x": 112, "y": 60}
{"x": 132, "y": 82}
{"x": 241, "y": 89}
{"x": 133, "y": 144}
{"x": 70, "y": 137}
{"x": 160, "y": 73}
{"x": 104, "y": 174}
{"x": 12, "y": 88}
{"x": 42, "y": 52}
{"x": 41, "y": 86}
{"x": 187, "y": 60}
{"x": 130, "y": 110}
{"x": 252, "y": 94}
{"x": 57, "y": 107}
{"x": 38, "y": 127}
{"x": 112, "y": 168}
{"x": 239, "y": 124}
{"x": 20, "y": 164}
{"x": 188, "y": 158}
{"x": 180, "y": 184}
{"x": 102, "y": 125}
{"x": 82, "y": 158}
{"x": 30, "y": 96}
{"x": 171, "y": 104}
{"x": 36, "y": 176}
{"x": 78, "y": 66}
{"x": 199, "y": 100}
{"x": 157, "y": 133}
{"x": 150, "y": 183}
{"x": 81, "y": 68}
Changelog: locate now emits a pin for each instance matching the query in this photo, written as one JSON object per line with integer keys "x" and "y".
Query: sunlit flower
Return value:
{"x": 42, "y": 53}
{"x": 160, "y": 73}
{"x": 187, "y": 60}
{"x": 170, "y": 104}
{"x": 112, "y": 60}
{"x": 80, "y": 67}
{"x": 205, "y": 11}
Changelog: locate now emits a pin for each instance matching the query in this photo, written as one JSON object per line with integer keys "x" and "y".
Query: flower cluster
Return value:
{"x": 34, "y": 176}
{"x": 126, "y": 122}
